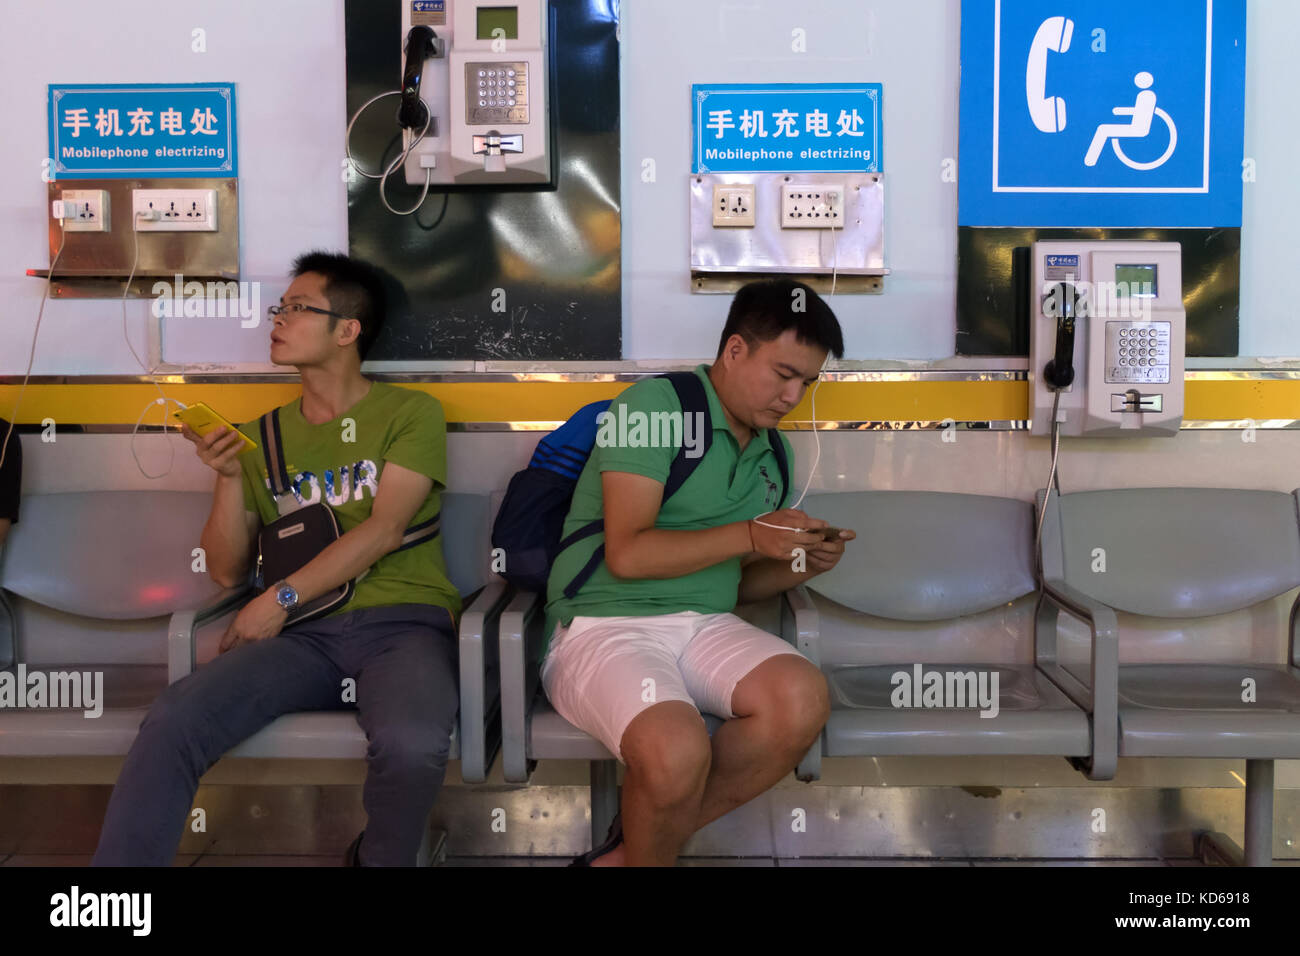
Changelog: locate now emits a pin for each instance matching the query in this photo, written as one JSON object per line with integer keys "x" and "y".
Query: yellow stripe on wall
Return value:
{"x": 121, "y": 404}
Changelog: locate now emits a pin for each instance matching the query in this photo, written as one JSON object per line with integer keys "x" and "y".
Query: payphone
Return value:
{"x": 475, "y": 92}
{"x": 1107, "y": 337}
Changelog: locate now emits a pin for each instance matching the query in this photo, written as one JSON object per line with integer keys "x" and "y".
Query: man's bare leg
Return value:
{"x": 667, "y": 755}
{"x": 781, "y": 707}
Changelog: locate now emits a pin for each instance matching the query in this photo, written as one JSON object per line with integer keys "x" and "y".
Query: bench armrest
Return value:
{"x": 1100, "y": 700}
{"x": 801, "y": 623}
{"x": 184, "y": 624}
{"x": 801, "y": 627}
{"x": 521, "y": 643}
{"x": 479, "y": 696}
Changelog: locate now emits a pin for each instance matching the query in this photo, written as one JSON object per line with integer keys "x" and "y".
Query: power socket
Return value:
{"x": 812, "y": 206}
{"x": 85, "y": 210}
{"x": 179, "y": 210}
{"x": 733, "y": 205}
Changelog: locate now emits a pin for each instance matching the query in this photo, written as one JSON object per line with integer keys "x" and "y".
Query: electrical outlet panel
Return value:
{"x": 180, "y": 210}
{"x": 812, "y": 206}
{"x": 733, "y": 205}
{"x": 85, "y": 210}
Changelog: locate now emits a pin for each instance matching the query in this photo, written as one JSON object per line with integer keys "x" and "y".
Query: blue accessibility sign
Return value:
{"x": 801, "y": 127}
{"x": 1108, "y": 113}
{"x": 115, "y": 131}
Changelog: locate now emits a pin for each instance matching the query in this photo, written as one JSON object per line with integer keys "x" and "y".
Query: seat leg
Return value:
{"x": 604, "y": 798}
{"x": 433, "y": 848}
{"x": 1259, "y": 813}
{"x": 1217, "y": 849}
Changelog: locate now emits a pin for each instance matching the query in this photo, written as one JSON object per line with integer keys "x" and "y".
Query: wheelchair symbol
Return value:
{"x": 1143, "y": 111}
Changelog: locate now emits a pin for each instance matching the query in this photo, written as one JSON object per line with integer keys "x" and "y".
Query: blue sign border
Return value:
{"x": 226, "y": 168}
{"x": 700, "y": 92}
{"x": 1216, "y": 202}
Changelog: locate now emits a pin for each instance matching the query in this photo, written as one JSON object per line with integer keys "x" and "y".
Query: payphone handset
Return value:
{"x": 486, "y": 86}
{"x": 1108, "y": 333}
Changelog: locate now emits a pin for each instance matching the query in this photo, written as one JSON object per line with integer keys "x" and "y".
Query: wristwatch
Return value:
{"x": 286, "y": 594}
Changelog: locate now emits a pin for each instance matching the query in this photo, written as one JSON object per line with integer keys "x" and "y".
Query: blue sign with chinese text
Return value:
{"x": 116, "y": 131}
{"x": 804, "y": 127}
{"x": 1106, "y": 113}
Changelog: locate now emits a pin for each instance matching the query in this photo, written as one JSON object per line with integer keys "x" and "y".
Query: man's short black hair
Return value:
{"x": 763, "y": 310}
{"x": 354, "y": 288}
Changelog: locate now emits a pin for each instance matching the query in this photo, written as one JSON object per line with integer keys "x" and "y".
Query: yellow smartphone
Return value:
{"x": 203, "y": 420}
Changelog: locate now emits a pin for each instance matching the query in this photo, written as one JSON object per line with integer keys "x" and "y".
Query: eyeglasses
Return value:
{"x": 295, "y": 307}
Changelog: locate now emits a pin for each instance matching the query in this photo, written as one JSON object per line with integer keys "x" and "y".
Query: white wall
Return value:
{"x": 287, "y": 57}
{"x": 913, "y": 48}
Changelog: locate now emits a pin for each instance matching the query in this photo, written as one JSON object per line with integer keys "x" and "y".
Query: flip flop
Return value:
{"x": 612, "y": 840}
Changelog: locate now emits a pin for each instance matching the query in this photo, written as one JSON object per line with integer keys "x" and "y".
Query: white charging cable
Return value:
{"x": 149, "y": 215}
{"x": 817, "y": 441}
{"x": 59, "y": 208}
{"x": 399, "y": 161}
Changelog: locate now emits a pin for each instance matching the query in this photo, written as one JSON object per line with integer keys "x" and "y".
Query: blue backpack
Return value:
{"x": 529, "y": 525}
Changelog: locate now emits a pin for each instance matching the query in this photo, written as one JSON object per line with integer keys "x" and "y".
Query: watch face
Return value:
{"x": 287, "y": 596}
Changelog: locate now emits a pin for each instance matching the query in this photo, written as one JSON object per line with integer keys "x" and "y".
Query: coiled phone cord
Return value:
{"x": 401, "y": 158}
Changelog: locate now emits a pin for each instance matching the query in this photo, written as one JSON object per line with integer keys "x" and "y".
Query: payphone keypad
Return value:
{"x": 1137, "y": 352}
{"x": 496, "y": 93}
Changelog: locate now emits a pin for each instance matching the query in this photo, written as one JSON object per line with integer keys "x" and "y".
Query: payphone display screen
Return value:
{"x": 1138, "y": 281}
{"x": 505, "y": 19}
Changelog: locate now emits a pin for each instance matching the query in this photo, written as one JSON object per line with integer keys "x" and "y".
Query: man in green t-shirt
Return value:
{"x": 648, "y": 641}
{"x": 375, "y": 454}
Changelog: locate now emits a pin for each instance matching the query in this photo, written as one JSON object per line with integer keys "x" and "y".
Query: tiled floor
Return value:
{"x": 77, "y": 860}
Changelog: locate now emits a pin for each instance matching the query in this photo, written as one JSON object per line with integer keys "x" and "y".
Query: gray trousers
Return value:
{"x": 404, "y": 661}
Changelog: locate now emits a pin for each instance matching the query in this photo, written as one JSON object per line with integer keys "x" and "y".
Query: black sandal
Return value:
{"x": 612, "y": 841}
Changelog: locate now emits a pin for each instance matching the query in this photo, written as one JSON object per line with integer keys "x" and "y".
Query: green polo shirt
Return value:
{"x": 342, "y": 466}
{"x": 727, "y": 485}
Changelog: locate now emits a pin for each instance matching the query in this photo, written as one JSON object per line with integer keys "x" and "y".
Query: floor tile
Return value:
{"x": 860, "y": 861}
{"x": 214, "y": 859}
{"x": 507, "y": 861}
{"x": 48, "y": 859}
{"x": 726, "y": 861}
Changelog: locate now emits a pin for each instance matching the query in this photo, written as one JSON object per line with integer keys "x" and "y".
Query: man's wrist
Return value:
{"x": 748, "y": 540}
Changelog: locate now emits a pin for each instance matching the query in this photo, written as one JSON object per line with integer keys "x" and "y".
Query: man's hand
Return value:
{"x": 826, "y": 554}
{"x": 257, "y": 620}
{"x": 219, "y": 449}
{"x": 775, "y": 543}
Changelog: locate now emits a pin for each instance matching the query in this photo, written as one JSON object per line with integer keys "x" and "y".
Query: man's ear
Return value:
{"x": 735, "y": 348}
{"x": 348, "y": 335}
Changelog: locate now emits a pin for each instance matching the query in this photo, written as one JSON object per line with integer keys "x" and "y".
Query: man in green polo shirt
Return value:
{"x": 649, "y": 640}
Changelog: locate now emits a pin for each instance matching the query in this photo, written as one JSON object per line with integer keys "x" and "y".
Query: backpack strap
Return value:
{"x": 782, "y": 464}
{"x": 693, "y": 399}
{"x": 587, "y": 570}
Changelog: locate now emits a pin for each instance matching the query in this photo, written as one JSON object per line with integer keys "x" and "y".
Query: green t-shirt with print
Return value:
{"x": 727, "y": 485}
{"x": 389, "y": 424}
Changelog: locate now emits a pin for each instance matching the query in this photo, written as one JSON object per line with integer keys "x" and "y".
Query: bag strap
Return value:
{"x": 693, "y": 399}
{"x": 420, "y": 533}
{"x": 273, "y": 450}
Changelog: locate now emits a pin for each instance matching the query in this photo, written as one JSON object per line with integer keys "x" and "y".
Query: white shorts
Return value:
{"x": 600, "y": 672}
